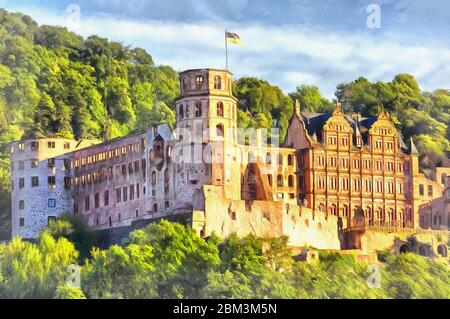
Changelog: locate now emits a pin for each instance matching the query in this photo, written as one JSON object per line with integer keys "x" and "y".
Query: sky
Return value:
{"x": 286, "y": 42}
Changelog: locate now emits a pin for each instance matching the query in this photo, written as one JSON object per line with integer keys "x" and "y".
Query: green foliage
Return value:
{"x": 55, "y": 83}
{"x": 67, "y": 292}
{"x": 30, "y": 270}
{"x": 310, "y": 98}
{"x": 75, "y": 229}
{"x": 261, "y": 103}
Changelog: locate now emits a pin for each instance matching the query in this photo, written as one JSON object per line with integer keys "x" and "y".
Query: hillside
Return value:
{"x": 55, "y": 83}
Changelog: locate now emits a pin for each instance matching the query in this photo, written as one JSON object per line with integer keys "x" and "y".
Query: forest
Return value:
{"x": 56, "y": 83}
{"x": 169, "y": 260}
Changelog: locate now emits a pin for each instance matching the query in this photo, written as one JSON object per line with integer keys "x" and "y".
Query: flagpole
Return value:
{"x": 226, "y": 51}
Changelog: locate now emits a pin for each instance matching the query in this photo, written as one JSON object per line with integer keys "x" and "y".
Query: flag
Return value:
{"x": 233, "y": 38}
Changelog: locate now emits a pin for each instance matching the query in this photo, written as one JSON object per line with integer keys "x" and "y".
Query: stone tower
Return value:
{"x": 205, "y": 134}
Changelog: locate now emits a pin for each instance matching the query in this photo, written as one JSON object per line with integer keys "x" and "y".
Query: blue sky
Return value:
{"x": 288, "y": 42}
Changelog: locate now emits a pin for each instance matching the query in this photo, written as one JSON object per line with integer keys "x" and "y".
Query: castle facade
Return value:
{"x": 331, "y": 168}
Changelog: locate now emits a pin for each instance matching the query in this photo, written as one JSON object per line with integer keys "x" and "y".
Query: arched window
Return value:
{"x": 199, "y": 81}
{"x": 220, "y": 132}
{"x": 333, "y": 210}
{"x": 345, "y": 211}
{"x": 391, "y": 217}
{"x": 220, "y": 109}
{"x": 321, "y": 207}
{"x": 291, "y": 181}
{"x": 155, "y": 208}
{"x": 198, "y": 109}
{"x": 380, "y": 216}
{"x": 280, "y": 159}
{"x": 181, "y": 111}
{"x": 290, "y": 160}
{"x": 217, "y": 83}
{"x": 368, "y": 215}
{"x": 166, "y": 176}
{"x": 280, "y": 181}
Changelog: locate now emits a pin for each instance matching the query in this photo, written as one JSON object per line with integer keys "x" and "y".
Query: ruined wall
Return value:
{"x": 264, "y": 219}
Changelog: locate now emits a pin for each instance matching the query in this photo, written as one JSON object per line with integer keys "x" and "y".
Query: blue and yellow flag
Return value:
{"x": 233, "y": 38}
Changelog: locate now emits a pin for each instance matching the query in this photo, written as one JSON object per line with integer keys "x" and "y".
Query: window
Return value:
{"x": 52, "y": 203}
{"x": 378, "y": 144}
{"x": 34, "y": 181}
{"x": 320, "y": 160}
{"x": 321, "y": 182}
{"x": 51, "y": 162}
{"x": 390, "y": 146}
{"x": 67, "y": 182}
{"x": 443, "y": 178}
{"x": 125, "y": 194}
{"x": 356, "y": 185}
{"x": 379, "y": 186}
{"x": 344, "y": 141}
{"x": 333, "y": 210}
{"x": 51, "y": 145}
{"x": 34, "y": 146}
{"x": 124, "y": 170}
{"x": 22, "y": 222}
{"x": 130, "y": 168}
{"x": 34, "y": 163}
{"x": 430, "y": 190}
{"x": 400, "y": 188}
{"x": 198, "y": 109}
{"x": 333, "y": 161}
{"x": 356, "y": 163}
{"x": 97, "y": 200}
{"x": 21, "y": 165}
{"x": 344, "y": 162}
{"x": 21, "y": 182}
{"x": 290, "y": 160}
{"x": 400, "y": 167}
{"x": 185, "y": 84}
{"x": 138, "y": 190}
{"x": 379, "y": 165}
{"x": 280, "y": 181}
{"x": 106, "y": 198}
{"x": 333, "y": 183}
{"x": 21, "y": 146}
{"x": 199, "y": 81}
{"x": 87, "y": 203}
{"x": 220, "y": 129}
{"x": 344, "y": 185}
{"x": 291, "y": 181}
{"x": 181, "y": 111}
{"x": 332, "y": 140}
{"x": 220, "y": 109}
{"x": 368, "y": 186}
{"x": 367, "y": 164}
{"x": 67, "y": 165}
{"x": 280, "y": 159}
{"x": 66, "y": 145}
{"x": 131, "y": 192}
{"x": 390, "y": 188}
{"x": 421, "y": 190}
{"x": 217, "y": 82}
{"x": 118, "y": 195}
{"x": 390, "y": 166}
{"x": 21, "y": 205}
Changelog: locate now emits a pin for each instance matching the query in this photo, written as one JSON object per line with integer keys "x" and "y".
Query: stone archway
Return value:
{"x": 442, "y": 250}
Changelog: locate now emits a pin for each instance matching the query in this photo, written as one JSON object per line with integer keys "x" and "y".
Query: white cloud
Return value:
{"x": 284, "y": 55}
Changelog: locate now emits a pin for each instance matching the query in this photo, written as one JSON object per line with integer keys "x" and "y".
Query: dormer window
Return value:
{"x": 199, "y": 81}
{"x": 217, "y": 83}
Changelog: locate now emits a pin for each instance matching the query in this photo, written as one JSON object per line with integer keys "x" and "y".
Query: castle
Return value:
{"x": 335, "y": 178}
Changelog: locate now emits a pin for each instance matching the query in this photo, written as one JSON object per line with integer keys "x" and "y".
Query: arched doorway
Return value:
{"x": 442, "y": 250}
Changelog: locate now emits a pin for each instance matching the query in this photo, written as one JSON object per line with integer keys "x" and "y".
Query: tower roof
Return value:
{"x": 413, "y": 150}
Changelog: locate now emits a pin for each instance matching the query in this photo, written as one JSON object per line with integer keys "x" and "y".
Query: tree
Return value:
{"x": 311, "y": 99}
